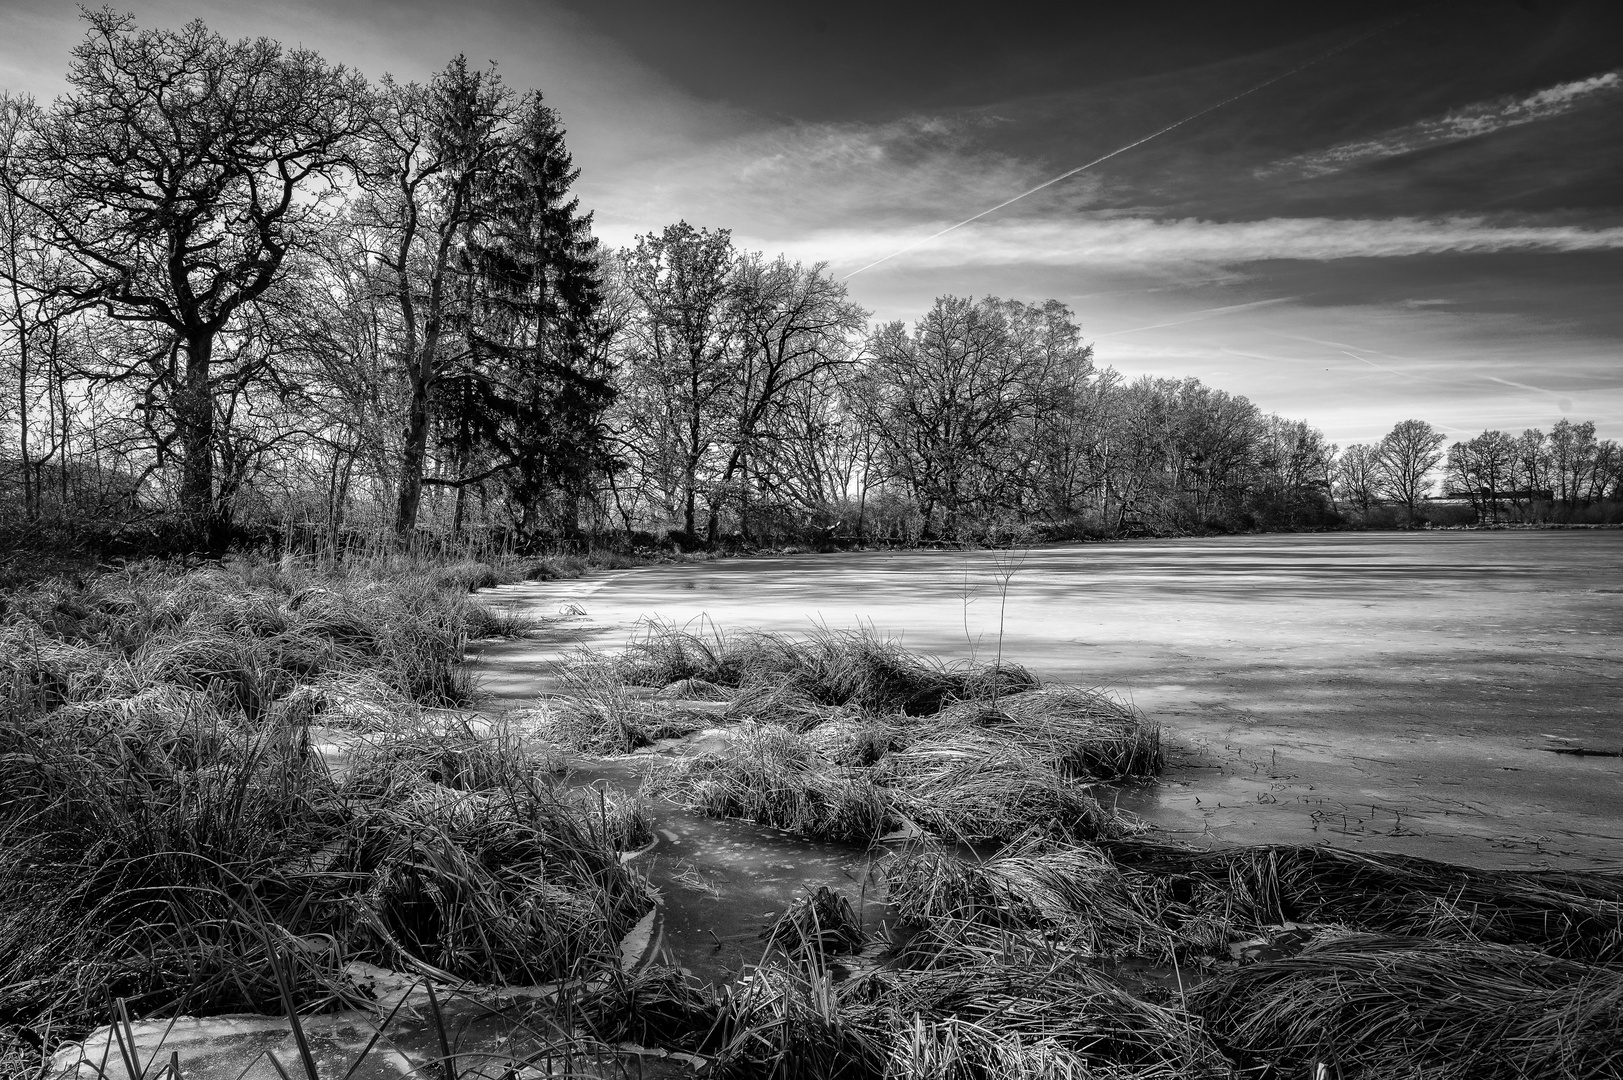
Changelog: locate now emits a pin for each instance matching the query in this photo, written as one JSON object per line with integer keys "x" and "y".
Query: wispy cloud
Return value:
{"x": 793, "y": 177}
{"x": 1481, "y": 119}
{"x": 1146, "y": 242}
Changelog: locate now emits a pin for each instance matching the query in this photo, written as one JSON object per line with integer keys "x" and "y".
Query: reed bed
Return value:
{"x": 846, "y": 736}
{"x": 607, "y": 719}
{"x": 985, "y": 1017}
{"x": 1566, "y": 914}
{"x": 1368, "y": 1006}
{"x": 170, "y": 834}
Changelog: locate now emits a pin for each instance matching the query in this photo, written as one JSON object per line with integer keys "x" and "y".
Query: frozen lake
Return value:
{"x": 1394, "y": 691}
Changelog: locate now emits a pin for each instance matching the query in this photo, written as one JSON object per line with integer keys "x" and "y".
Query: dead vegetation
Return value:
{"x": 168, "y": 829}
{"x": 1027, "y": 932}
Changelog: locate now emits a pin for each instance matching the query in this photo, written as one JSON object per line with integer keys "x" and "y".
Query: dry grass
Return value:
{"x": 829, "y": 668}
{"x": 846, "y": 736}
{"x": 168, "y": 830}
{"x": 1080, "y": 733}
{"x": 1064, "y": 894}
{"x": 772, "y": 776}
{"x": 1373, "y": 1006}
{"x": 1566, "y": 914}
{"x": 818, "y": 925}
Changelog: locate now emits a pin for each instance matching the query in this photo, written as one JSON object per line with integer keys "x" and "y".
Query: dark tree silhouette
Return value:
{"x": 174, "y": 177}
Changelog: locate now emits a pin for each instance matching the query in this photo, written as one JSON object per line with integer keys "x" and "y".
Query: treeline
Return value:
{"x": 1566, "y": 476}
{"x": 245, "y": 289}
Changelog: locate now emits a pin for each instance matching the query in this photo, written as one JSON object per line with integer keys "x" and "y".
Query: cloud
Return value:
{"x": 1467, "y": 123}
{"x": 787, "y": 179}
{"x": 1141, "y": 242}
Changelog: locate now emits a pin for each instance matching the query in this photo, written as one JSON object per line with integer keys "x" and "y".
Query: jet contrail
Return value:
{"x": 1140, "y": 142}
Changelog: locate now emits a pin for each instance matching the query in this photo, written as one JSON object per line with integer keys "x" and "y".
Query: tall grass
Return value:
{"x": 168, "y": 830}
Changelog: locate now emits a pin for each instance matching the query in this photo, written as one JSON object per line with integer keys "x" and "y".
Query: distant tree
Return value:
{"x": 174, "y": 178}
{"x": 1573, "y": 456}
{"x": 794, "y": 324}
{"x": 952, "y": 402}
{"x": 30, "y": 310}
{"x": 1354, "y": 478}
{"x": 1530, "y": 478}
{"x": 1481, "y": 469}
{"x": 681, "y": 346}
{"x": 1406, "y": 458}
{"x": 1293, "y": 474}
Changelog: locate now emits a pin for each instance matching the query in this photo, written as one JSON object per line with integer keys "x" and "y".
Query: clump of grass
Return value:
{"x": 507, "y": 886}
{"x": 1081, "y": 733}
{"x": 818, "y": 925}
{"x": 771, "y": 776}
{"x": 1372, "y": 1006}
{"x": 606, "y": 719}
{"x": 855, "y": 742}
{"x": 978, "y": 789}
{"x": 829, "y": 667}
{"x": 696, "y": 690}
{"x": 617, "y": 820}
{"x": 456, "y": 752}
{"x": 1071, "y": 894}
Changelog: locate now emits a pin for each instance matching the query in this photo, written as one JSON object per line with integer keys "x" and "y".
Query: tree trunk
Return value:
{"x": 413, "y": 455}
{"x": 461, "y": 507}
{"x": 194, "y": 417}
{"x": 30, "y": 492}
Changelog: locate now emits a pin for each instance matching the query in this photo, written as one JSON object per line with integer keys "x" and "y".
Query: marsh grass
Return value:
{"x": 846, "y": 736}
{"x": 180, "y": 846}
{"x": 168, "y": 830}
{"x": 1069, "y": 894}
{"x": 772, "y": 776}
{"x": 855, "y": 668}
{"x": 1079, "y": 732}
{"x": 1575, "y": 915}
{"x": 818, "y": 925}
{"x": 1372, "y": 1006}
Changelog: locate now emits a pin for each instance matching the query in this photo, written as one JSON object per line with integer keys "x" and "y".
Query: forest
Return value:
{"x": 246, "y": 293}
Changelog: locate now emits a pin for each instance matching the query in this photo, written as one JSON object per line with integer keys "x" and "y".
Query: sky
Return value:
{"x": 1370, "y": 211}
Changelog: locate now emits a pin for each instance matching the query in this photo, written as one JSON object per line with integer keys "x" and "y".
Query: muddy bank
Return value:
{"x": 1377, "y": 691}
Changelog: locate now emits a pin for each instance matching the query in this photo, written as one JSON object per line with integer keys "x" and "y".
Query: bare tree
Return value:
{"x": 793, "y": 324}
{"x": 1406, "y": 458}
{"x": 1481, "y": 469}
{"x": 174, "y": 177}
{"x": 682, "y": 345}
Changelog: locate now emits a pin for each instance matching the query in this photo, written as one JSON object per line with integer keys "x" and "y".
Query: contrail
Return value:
{"x": 1198, "y": 316}
{"x": 1140, "y": 142}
